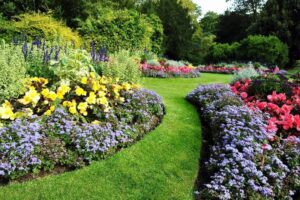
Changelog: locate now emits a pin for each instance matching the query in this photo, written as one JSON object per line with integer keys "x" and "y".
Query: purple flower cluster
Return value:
{"x": 18, "y": 143}
{"x": 25, "y": 143}
{"x": 241, "y": 164}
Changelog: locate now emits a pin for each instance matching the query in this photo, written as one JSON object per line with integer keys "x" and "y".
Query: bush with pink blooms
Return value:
{"x": 167, "y": 71}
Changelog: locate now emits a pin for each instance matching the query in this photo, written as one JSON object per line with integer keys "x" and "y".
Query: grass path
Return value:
{"x": 162, "y": 166}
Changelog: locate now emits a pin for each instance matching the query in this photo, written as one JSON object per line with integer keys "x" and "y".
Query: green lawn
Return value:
{"x": 162, "y": 166}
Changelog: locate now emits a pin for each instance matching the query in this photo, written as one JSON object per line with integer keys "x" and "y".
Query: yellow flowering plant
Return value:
{"x": 86, "y": 99}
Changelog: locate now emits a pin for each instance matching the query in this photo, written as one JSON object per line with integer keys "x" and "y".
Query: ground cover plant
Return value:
{"x": 253, "y": 139}
{"x": 168, "y": 69}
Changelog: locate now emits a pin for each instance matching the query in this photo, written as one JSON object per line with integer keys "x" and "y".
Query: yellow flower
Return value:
{"x": 92, "y": 98}
{"x": 84, "y": 80}
{"x": 102, "y": 101}
{"x": 122, "y": 99}
{"x": 72, "y": 110}
{"x": 62, "y": 90}
{"x": 96, "y": 122}
{"x": 92, "y": 74}
{"x": 136, "y": 86}
{"x": 101, "y": 94}
{"x": 31, "y": 96}
{"x": 49, "y": 112}
{"x": 126, "y": 86}
{"x": 82, "y": 108}
{"x": 47, "y": 94}
{"x": 72, "y": 107}
{"x": 80, "y": 92}
{"x": 66, "y": 103}
{"x": 6, "y": 111}
{"x": 95, "y": 86}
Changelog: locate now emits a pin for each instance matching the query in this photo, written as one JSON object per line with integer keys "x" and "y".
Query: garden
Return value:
{"x": 118, "y": 100}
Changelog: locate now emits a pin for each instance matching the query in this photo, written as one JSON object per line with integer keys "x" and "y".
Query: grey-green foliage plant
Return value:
{"x": 123, "y": 65}
{"x": 73, "y": 65}
{"x": 244, "y": 74}
{"x": 12, "y": 71}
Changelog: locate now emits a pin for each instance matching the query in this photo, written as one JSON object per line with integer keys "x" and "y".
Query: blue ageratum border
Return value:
{"x": 239, "y": 163}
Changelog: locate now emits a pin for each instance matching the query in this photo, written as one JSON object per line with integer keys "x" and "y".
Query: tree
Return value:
{"x": 281, "y": 18}
{"x": 251, "y": 7}
{"x": 179, "y": 19}
{"x": 233, "y": 26}
{"x": 210, "y": 22}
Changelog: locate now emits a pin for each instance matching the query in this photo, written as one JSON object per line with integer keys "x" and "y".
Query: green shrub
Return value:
{"x": 263, "y": 49}
{"x": 123, "y": 29}
{"x": 12, "y": 71}
{"x": 263, "y": 86}
{"x": 123, "y": 65}
{"x": 244, "y": 74}
{"x": 222, "y": 52}
{"x": 42, "y": 25}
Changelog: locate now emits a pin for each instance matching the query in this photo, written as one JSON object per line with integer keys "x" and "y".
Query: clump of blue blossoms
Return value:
{"x": 241, "y": 163}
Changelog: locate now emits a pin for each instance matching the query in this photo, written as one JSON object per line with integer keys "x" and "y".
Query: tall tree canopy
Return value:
{"x": 248, "y": 6}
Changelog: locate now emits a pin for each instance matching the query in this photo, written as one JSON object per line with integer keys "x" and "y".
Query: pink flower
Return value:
{"x": 287, "y": 121}
{"x": 272, "y": 125}
{"x": 266, "y": 147}
{"x": 244, "y": 95}
{"x": 297, "y": 122}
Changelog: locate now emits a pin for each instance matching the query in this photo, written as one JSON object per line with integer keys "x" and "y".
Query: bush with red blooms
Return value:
{"x": 219, "y": 69}
{"x": 283, "y": 109}
{"x": 169, "y": 71}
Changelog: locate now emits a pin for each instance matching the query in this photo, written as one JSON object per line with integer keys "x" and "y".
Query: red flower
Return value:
{"x": 273, "y": 107}
{"x": 261, "y": 105}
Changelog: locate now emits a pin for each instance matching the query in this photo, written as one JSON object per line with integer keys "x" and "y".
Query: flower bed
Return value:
{"x": 218, "y": 69}
{"x": 169, "y": 71}
{"x": 242, "y": 163}
{"x": 68, "y": 126}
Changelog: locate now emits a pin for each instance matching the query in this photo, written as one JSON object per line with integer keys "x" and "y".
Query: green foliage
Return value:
{"x": 264, "y": 49}
{"x": 244, "y": 74}
{"x": 123, "y": 65}
{"x": 210, "y": 22}
{"x": 282, "y": 19}
{"x": 179, "y": 19}
{"x": 222, "y": 52}
{"x": 265, "y": 85}
{"x": 42, "y": 25}
{"x": 200, "y": 45}
{"x": 12, "y": 71}
{"x": 123, "y": 29}
{"x": 73, "y": 65}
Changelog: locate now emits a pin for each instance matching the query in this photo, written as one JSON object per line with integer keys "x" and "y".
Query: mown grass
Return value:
{"x": 163, "y": 165}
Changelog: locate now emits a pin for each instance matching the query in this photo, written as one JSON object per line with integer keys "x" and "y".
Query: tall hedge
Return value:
{"x": 123, "y": 29}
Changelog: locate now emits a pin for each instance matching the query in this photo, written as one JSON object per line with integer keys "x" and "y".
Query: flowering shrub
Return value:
{"x": 72, "y": 125}
{"x": 169, "y": 71}
{"x": 218, "y": 69}
{"x": 241, "y": 163}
